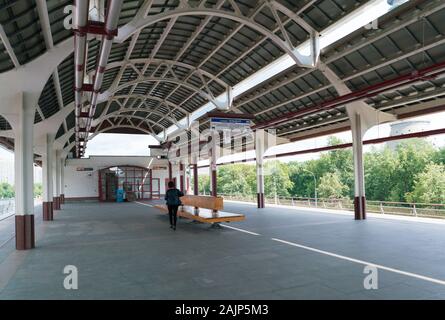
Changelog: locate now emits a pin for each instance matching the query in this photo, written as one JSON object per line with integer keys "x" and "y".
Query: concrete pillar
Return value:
{"x": 359, "y": 176}
{"x": 24, "y": 174}
{"x": 56, "y": 180}
{"x": 362, "y": 117}
{"x": 187, "y": 178}
{"x": 213, "y": 167}
{"x": 59, "y": 176}
{"x": 259, "y": 151}
{"x": 195, "y": 180}
{"x": 47, "y": 160}
{"x": 62, "y": 180}
{"x": 260, "y": 184}
{"x": 181, "y": 177}
{"x": 170, "y": 173}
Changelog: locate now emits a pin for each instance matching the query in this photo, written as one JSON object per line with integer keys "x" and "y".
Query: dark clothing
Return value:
{"x": 172, "y": 197}
{"x": 173, "y": 202}
{"x": 173, "y": 214}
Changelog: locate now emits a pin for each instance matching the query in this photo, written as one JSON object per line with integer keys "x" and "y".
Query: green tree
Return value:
{"x": 339, "y": 161}
{"x": 38, "y": 190}
{"x": 6, "y": 190}
{"x": 412, "y": 157}
{"x": 429, "y": 185}
{"x": 439, "y": 156}
{"x": 276, "y": 179}
{"x": 330, "y": 186}
{"x": 204, "y": 184}
{"x": 380, "y": 173}
{"x": 237, "y": 179}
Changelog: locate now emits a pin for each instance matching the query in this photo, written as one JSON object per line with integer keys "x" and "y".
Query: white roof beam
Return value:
{"x": 45, "y": 25}
{"x": 8, "y": 47}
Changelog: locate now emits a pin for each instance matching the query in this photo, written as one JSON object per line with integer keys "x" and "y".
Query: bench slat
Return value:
{"x": 205, "y": 215}
{"x": 207, "y": 202}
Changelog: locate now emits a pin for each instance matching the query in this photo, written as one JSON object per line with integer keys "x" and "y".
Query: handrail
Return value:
{"x": 432, "y": 210}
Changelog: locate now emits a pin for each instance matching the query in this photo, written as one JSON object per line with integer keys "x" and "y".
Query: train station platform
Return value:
{"x": 128, "y": 251}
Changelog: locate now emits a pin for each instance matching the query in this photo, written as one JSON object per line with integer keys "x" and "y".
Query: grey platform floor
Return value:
{"x": 127, "y": 251}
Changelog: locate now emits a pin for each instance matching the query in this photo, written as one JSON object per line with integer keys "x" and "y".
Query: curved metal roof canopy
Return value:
{"x": 171, "y": 57}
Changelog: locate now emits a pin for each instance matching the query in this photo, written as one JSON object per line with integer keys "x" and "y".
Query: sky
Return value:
{"x": 112, "y": 144}
{"x": 121, "y": 144}
{"x": 137, "y": 145}
{"x": 125, "y": 144}
{"x": 7, "y": 167}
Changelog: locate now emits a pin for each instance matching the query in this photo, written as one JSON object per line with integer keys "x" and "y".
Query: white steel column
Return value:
{"x": 212, "y": 164}
{"x": 56, "y": 180}
{"x": 259, "y": 151}
{"x": 59, "y": 176}
{"x": 359, "y": 175}
{"x": 362, "y": 118}
{"x": 47, "y": 160}
{"x": 62, "y": 180}
{"x": 187, "y": 177}
{"x": 181, "y": 176}
{"x": 176, "y": 175}
{"x": 24, "y": 174}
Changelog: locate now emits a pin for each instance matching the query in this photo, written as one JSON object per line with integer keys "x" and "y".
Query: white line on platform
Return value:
{"x": 241, "y": 230}
{"x": 9, "y": 239}
{"x": 405, "y": 273}
{"x": 6, "y": 217}
{"x": 144, "y": 204}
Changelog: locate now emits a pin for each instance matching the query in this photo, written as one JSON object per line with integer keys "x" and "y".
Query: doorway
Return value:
{"x": 156, "y": 188}
{"x": 136, "y": 182}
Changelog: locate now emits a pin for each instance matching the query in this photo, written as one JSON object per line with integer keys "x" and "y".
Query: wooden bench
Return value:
{"x": 205, "y": 209}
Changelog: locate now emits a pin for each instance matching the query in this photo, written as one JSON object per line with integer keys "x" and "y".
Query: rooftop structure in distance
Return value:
{"x": 406, "y": 127}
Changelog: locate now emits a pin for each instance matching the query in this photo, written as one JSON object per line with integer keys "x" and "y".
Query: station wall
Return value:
{"x": 81, "y": 176}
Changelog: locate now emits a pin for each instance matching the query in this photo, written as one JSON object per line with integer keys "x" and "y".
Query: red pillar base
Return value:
{"x": 360, "y": 208}
{"x": 181, "y": 184}
{"x": 56, "y": 203}
{"x": 260, "y": 200}
{"x": 62, "y": 199}
{"x": 24, "y": 232}
{"x": 48, "y": 214}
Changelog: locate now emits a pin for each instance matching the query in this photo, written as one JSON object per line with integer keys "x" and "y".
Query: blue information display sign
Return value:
{"x": 229, "y": 123}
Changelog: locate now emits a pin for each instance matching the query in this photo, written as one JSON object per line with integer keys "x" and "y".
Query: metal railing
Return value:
{"x": 7, "y": 206}
{"x": 427, "y": 210}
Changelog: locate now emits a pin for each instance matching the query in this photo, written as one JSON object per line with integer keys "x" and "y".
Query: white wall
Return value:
{"x": 162, "y": 175}
{"x": 85, "y": 184}
{"x": 80, "y": 184}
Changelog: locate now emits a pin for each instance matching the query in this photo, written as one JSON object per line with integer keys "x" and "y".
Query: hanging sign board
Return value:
{"x": 159, "y": 168}
{"x": 229, "y": 124}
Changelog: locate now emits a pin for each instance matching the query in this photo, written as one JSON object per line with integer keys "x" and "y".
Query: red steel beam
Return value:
{"x": 421, "y": 134}
{"x": 370, "y": 91}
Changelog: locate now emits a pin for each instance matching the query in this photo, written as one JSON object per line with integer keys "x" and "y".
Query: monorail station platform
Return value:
{"x": 208, "y": 84}
{"x": 127, "y": 251}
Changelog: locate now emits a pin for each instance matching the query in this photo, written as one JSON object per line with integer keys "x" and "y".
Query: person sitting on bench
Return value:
{"x": 173, "y": 202}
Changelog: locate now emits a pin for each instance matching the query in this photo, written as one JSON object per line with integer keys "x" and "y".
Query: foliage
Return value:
{"x": 6, "y": 191}
{"x": 340, "y": 161}
{"x": 203, "y": 184}
{"x": 276, "y": 179}
{"x": 412, "y": 157}
{"x": 237, "y": 179}
{"x": 429, "y": 185}
{"x": 38, "y": 190}
{"x": 380, "y": 173}
{"x": 330, "y": 186}
{"x": 412, "y": 171}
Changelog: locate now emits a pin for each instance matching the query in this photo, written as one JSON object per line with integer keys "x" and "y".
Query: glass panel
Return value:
{"x": 146, "y": 195}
